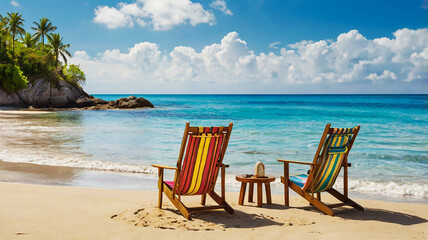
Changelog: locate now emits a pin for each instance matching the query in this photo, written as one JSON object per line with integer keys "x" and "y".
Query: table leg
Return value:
{"x": 259, "y": 195}
{"x": 250, "y": 192}
{"x": 242, "y": 193}
{"x": 268, "y": 195}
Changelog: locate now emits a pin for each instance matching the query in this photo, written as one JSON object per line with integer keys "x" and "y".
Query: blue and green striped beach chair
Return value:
{"x": 331, "y": 156}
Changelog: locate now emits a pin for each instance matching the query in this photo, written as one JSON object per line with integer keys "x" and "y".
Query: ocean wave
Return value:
{"x": 394, "y": 189}
{"x": 416, "y": 191}
{"x": 75, "y": 161}
{"x": 409, "y": 189}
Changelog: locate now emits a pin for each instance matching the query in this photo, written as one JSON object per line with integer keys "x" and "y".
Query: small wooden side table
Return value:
{"x": 244, "y": 179}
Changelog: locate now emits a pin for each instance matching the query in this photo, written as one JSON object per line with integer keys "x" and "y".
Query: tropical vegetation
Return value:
{"x": 26, "y": 57}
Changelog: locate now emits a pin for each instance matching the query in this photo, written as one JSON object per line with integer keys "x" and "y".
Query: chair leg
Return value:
{"x": 315, "y": 202}
{"x": 160, "y": 186}
{"x": 203, "y": 199}
{"x": 223, "y": 182}
{"x": 286, "y": 194}
{"x": 221, "y": 201}
{"x": 319, "y": 196}
{"x": 177, "y": 203}
{"x": 345, "y": 199}
{"x": 345, "y": 177}
{"x": 160, "y": 199}
{"x": 286, "y": 180}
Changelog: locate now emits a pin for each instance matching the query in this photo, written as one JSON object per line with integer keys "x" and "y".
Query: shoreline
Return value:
{"x": 120, "y": 143}
{"x": 55, "y": 212}
{"x": 30, "y": 173}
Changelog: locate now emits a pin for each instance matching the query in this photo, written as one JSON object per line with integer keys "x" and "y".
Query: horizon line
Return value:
{"x": 258, "y": 94}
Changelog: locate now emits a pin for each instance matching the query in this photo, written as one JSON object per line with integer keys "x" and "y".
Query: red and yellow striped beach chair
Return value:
{"x": 331, "y": 156}
{"x": 199, "y": 162}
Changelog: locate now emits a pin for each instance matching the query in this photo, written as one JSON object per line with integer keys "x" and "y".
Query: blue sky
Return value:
{"x": 334, "y": 46}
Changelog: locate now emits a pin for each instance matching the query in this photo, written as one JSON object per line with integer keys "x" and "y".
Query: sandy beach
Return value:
{"x": 62, "y": 212}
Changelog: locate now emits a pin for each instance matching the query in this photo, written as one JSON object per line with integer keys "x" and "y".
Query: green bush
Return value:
{"x": 33, "y": 64}
{"x": 12, "y": 78}
{"x": 29, "y": 62}
{"x": 74, "y": 75}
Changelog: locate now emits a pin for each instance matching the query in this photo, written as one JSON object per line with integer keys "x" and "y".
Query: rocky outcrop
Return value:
{"x": 93, "y": 103}
{"x": 42, "y": 94}
{"x": 10, "y": 100}
{"x": 65, "y": 95}
{"x": 133, "y": 102}
{"x": 86, "y": 102}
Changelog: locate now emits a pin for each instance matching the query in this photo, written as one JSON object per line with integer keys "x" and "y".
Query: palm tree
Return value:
{"x": 3, "y": 32}
{"x": 43, "y": 28}
{"x": 14, "y": 26}
{"x": 57, "y": 47}
{"x": 28, "y": 40}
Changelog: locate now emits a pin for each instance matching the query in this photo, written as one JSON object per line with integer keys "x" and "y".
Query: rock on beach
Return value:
{"x": 43, "y": 94}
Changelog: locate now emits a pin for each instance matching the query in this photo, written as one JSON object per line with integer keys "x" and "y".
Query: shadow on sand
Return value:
{"x": 375, "y": 214}
{"x": 219, "y": 220}
{"x": 238, "y": 220}
{"x": 215, "y": 220}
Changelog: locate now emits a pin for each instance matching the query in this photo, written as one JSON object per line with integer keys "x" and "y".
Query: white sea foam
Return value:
{"x": 414, "y": 190}
{"x": 393, "y": 189}
{"x": 74, "y": 160}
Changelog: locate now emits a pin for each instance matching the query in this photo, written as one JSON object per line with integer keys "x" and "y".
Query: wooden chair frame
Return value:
{"x": 175, "y": 197}
{"x": 310, "y": 196}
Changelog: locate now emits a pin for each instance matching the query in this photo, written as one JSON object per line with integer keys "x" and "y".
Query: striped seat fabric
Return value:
{"x": 331, "y": 158}
{"x": 201, "y": 162}
{"x": 299, "y": 180}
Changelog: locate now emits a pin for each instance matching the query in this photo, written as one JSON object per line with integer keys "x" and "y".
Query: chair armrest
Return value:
{"x": 289, "y": 161}
{"x": 225, "y": 165}
{"x": 164, "y": 167}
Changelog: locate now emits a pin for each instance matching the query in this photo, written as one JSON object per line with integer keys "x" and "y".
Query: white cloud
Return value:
{"x": 159, "y": 14}
{"x": 274, "y": 45}
{"x": 83, "y": 55}
{"x": 112, "y": 18}
{"x": 385, "y": 75}
{"x": 351, "y": 60}
{"x": 15, "y": 3}
{"x": 221, "y": 5}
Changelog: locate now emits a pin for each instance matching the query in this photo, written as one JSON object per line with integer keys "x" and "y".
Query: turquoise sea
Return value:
{"x": 389, "y": 157}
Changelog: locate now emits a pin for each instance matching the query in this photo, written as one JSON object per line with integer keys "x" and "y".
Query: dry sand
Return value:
{"x": 61, "y": 212}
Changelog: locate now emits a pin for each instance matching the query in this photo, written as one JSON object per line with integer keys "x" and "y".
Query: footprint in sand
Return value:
{"x": 21, "y": 233}
{"x": 139, "y": 210}
{"x": 157, "y": 218}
